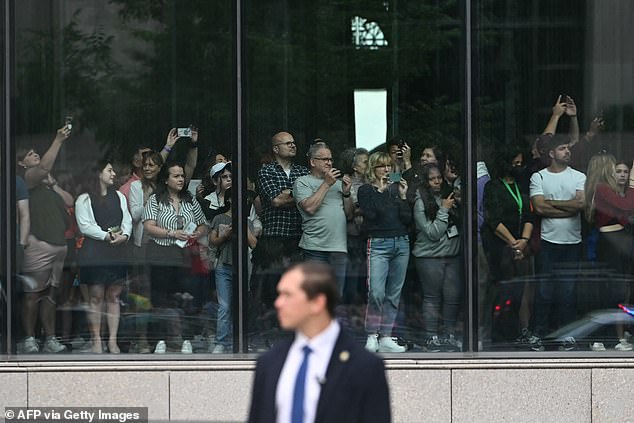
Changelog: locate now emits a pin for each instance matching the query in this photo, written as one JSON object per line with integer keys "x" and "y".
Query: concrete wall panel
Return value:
{"x": 518, "y": 395}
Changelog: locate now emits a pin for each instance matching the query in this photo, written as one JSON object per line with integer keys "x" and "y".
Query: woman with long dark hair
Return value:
{"x": 46, "y": 244}
{"x": 438, "y": 262}
{"x": 172, "y": 220}
{"x": 386, "y": 215}
{"x": 103, "y": 217}
{"x": 508, "y": 224}
{"x": 609, "y": 203}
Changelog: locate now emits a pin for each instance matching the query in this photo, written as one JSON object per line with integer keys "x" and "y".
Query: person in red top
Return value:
{"x": 609, "y": 205}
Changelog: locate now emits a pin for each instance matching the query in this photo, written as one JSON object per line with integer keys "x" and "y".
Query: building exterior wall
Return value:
{"x": 476, "y": 390}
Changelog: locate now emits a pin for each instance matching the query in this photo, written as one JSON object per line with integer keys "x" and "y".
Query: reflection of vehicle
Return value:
{"x": 591, "y": 281}
{"x": 598, "y": 326}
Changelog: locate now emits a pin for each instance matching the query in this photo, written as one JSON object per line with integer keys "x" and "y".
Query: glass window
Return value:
{"x": 121, "y": 111}
{"x": 554, "y": 248}
{"x": 345, "y": 106}
{"x": 161, "y": 191}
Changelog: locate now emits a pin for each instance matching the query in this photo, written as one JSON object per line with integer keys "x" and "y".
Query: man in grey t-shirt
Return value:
{"x": 324, "y": 203}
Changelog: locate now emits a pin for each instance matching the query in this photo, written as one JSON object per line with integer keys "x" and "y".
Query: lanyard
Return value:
{"x": 516, "y": 196}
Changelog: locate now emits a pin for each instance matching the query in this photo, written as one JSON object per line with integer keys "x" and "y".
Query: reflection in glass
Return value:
{"x": 561, "y": 113}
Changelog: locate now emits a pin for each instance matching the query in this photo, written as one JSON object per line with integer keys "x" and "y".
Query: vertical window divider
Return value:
{"x": 240, "y": 248}
{"x": 7, "y": 190}
{"x": 471, "y": 303}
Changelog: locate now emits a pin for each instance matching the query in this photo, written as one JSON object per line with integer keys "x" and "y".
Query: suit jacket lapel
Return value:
{"x": 274, "y": 370}
{"x": 336, "y": 369}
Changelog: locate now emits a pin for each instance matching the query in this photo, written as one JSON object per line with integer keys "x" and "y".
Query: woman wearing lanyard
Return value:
{"x": 508, "y": 223}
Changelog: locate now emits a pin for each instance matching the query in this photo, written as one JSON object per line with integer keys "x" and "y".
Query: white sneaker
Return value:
{"x": 218, "y": 349}
{"x": 29, "y": 345}
{"x": 161, "y": 347}
{"x": 186, "y": 348}
{"x": 52, "y": 345}
{"x": 597, "y": 346}
{"x": 387, "y": 344}
{"x": 623, "y": 345}
{"x": 372, "y": 344}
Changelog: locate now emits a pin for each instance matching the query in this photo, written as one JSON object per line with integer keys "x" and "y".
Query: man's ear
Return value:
{"x": 319, "y": 303}
{"x": 551, "y": 154}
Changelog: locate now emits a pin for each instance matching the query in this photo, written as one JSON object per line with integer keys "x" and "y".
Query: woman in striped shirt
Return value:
{"x": 172, "y": 220}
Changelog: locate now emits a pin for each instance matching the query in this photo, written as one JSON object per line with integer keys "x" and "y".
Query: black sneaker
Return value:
{"x": 524, "y": 337}
{"x": 568, "y": 344}
{"x": 450, "y": 343}
{"x": 433, "y": 344}
{"x": 535, "y": 344}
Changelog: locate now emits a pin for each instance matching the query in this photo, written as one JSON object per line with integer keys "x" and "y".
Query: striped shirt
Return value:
{"x": 167, "y": 218}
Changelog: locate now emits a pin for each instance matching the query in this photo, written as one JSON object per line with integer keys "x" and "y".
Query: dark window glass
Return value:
{"x": 554, "y": 249}
{"x": 372, "y": 85}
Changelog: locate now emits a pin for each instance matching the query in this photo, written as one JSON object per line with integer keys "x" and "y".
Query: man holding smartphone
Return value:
{"x": 324, "y": 202}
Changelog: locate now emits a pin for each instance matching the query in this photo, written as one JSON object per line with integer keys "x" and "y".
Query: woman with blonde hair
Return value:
{"x": 386, "y": 215}
{"x": 609, "y": 204}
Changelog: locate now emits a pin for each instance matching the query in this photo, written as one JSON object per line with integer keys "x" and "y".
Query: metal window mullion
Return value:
{"x": 7, "y": 191}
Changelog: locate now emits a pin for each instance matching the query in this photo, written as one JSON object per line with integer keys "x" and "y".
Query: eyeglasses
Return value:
{"x": 324, "y": 159}
{"x": 288, "y": 143}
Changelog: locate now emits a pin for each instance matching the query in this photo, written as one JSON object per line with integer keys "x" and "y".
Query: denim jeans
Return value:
{"x": 224, "y": 289}
{"x": 339, "y": 262}
{"x": 556, "y": 265}
{"x": 387, "y": 265}
{"x": 441, "y": 280}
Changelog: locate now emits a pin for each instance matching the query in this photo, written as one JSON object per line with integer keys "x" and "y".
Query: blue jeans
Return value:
{"x": 224, "y": 289}
{"x": 338, "y": 261}
{"x": 441, "y": 279}
{"x": 387, "y": 265}
{"x": 556, "y": 265}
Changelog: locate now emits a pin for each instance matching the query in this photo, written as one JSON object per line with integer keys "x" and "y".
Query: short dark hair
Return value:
{"x": 555, "y": 141}
{"x": 319, "y": 278}
{"x": 394, "y": 140}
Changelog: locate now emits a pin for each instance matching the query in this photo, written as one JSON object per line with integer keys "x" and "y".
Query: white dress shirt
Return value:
{"x": 321, "y": 346}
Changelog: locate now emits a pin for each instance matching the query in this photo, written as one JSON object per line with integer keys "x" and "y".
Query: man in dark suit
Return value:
{"x": 320, "y": 375}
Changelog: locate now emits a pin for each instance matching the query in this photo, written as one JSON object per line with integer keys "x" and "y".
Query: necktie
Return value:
{"x": 297, "y": 412}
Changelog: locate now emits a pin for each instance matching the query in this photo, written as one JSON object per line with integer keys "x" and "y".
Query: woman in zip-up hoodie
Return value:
{"x": 103, "y": 217}
{"x": 438, "y": 262}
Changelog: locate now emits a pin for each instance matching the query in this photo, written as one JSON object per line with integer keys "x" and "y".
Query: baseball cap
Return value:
{"x": 219, "y": 167}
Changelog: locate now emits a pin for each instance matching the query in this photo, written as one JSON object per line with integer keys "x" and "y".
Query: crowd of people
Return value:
{"x": 156, "y": 244}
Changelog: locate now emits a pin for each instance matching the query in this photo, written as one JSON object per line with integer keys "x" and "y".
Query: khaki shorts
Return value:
{"x": 43, "y": 265}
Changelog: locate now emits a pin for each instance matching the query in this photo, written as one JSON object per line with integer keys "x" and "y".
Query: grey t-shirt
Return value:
{"x": 326, "y": 229}
{"x": 224, "y": 250}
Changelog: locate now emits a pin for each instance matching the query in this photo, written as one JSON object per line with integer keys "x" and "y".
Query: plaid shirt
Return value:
{"x": 272, "y": 180}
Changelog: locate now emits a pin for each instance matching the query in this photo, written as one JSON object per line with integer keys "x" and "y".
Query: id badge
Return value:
{"x": 452, "y": 232}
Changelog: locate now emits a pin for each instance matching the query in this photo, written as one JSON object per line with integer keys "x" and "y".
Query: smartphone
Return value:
{"x": 68, "y": 122}
{"x": 184, "y": 132}
{"x": 394, "y": 176}
{"x": 401, "y": 144}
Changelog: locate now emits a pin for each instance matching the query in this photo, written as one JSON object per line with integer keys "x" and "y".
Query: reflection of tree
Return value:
{"x": 301, "y": 70}
{"x": 62, "y": 71}
{"x": 187, "y": 77}
{"x": 312, "y": 40}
